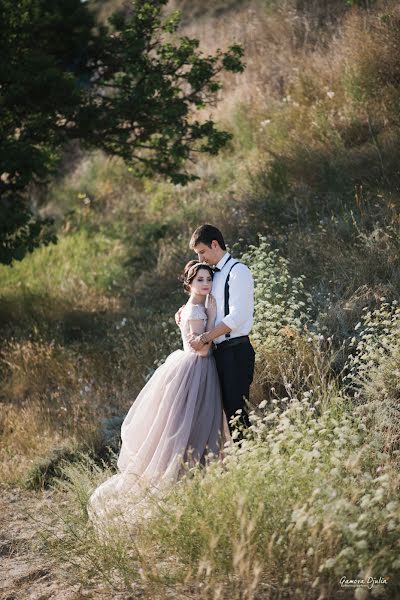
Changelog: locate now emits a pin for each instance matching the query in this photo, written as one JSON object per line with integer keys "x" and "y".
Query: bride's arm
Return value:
{"x": 197, "y": 327}
{"x": 209, "y": 324}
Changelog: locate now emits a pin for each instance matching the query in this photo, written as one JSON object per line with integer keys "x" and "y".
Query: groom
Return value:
{"x": 233, "y": 289}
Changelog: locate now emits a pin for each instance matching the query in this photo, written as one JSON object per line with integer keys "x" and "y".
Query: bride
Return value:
{"x": 176, "y": 419}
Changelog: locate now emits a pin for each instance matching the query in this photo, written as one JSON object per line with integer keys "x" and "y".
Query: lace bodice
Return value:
{"x": 189, "y": 313}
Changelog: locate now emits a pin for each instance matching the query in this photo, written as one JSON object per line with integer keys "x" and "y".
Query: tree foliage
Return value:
{"x": 129, "y": 88}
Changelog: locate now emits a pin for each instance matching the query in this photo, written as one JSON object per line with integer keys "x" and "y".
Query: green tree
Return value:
{"x": 129, "y": 88}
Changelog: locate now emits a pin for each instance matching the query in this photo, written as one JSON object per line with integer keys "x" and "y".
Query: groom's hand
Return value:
{"x": 178, "y": 315}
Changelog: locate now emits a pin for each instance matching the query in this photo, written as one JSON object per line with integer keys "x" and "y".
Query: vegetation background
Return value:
{"x": 308, "y": 193}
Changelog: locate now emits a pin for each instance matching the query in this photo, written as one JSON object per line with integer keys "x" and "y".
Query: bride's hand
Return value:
{"x": 211, "y": 307}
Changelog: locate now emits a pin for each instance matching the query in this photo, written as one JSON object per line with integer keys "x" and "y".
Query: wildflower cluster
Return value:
{"x": 373, "y": 374}
{"x": 377, "y": 338}
{"x": 280, "y": 298}
{"x": 299, "y": 489}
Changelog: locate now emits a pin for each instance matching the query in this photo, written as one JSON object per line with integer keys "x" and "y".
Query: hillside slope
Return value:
{"x": 313, "y": 168}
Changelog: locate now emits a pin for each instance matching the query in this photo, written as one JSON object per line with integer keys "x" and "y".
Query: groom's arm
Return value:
{"x": 241, "y": 298}
{"x": 178, "y": 315}
{"x": 241, "y": 303}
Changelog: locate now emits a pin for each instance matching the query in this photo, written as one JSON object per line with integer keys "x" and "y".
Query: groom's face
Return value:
{"x": 207, "y": 254}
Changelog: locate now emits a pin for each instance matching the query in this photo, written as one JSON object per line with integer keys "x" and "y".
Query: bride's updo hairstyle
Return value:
{"x": 190, "y": 271}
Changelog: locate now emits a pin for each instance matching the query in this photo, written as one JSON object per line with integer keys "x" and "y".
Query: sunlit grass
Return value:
{"x": 77, "y": 263}
{"x": 305, "y": 500}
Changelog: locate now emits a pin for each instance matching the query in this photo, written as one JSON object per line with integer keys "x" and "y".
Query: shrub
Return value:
{"x": 372, "y": 372}
{"x": 292, "y": 356}
{"x": 280, "y": 298}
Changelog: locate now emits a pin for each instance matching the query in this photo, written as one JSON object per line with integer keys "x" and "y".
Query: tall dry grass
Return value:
{"x": 78, "y": 334}
{"x": 304, "y": 501}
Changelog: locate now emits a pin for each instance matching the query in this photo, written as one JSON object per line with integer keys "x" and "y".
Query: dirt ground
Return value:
{"x": 24, "y": 571}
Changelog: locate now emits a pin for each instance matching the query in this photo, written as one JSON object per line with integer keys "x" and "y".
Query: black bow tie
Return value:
{"x": 216, "y": 269}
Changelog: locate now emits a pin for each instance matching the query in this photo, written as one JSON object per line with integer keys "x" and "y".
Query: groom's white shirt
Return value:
{"x": 241, "y": 297}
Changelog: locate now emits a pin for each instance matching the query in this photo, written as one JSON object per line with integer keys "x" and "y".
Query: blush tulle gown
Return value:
{"x": 177, "y": 418}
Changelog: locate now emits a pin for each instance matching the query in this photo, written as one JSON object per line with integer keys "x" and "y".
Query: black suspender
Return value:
{"x": 226, "y": 292}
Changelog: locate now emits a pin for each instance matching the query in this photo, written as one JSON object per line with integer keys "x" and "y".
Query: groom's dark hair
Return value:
{"x": 205, "y": 234}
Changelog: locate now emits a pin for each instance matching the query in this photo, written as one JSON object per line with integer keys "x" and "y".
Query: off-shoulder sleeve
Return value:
{"x": 196, "y": 312}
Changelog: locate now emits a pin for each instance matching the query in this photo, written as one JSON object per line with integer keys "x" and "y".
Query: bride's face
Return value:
{"x": 202, "y": 284}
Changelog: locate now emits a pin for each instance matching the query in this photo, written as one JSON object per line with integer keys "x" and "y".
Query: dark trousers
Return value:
{"x": 235, "y": 366}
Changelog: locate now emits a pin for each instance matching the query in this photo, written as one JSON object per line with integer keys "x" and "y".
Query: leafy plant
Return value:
{"x": 128, "y": 88}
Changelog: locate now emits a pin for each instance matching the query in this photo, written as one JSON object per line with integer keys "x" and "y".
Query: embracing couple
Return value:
{"x": 183, "y": 412}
